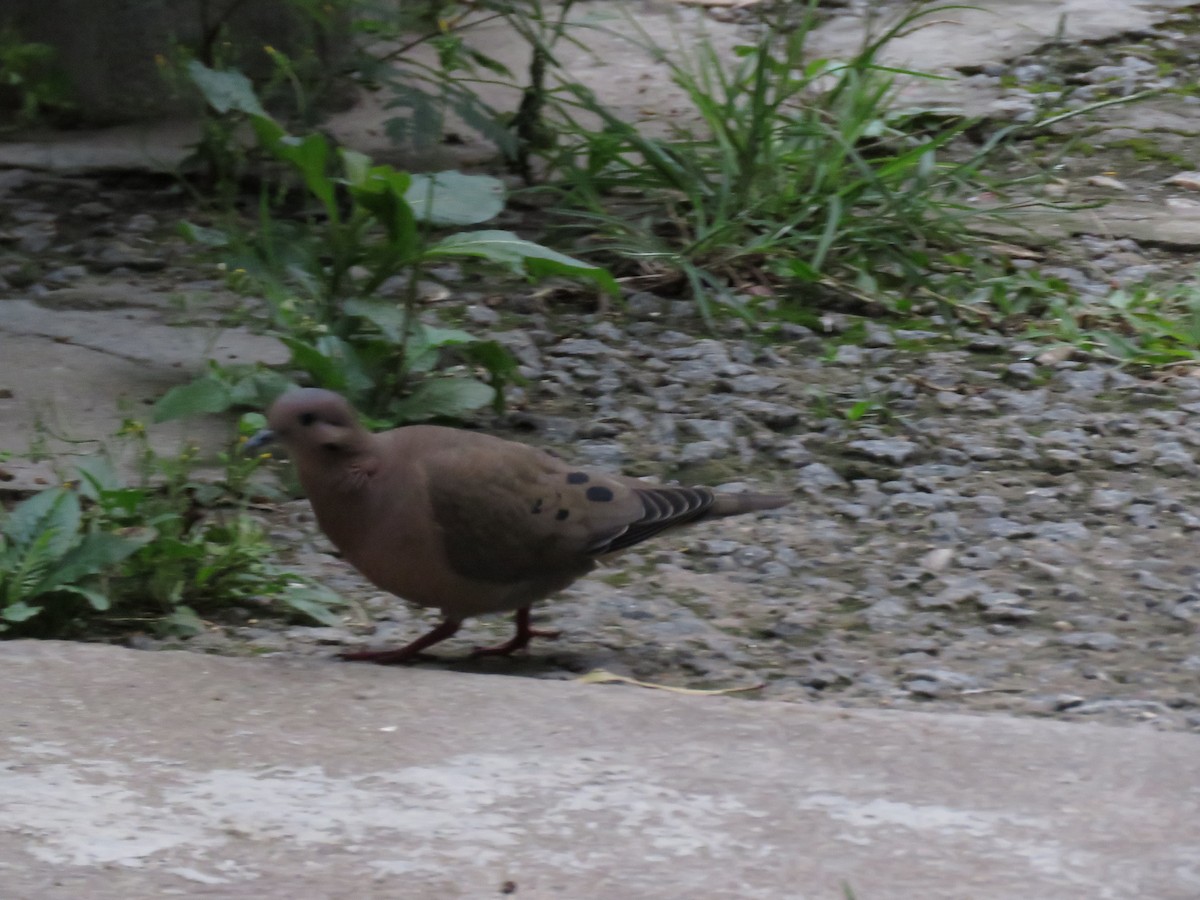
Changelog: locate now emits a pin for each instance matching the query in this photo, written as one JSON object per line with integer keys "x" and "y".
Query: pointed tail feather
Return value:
{"x": 735, "y": 504}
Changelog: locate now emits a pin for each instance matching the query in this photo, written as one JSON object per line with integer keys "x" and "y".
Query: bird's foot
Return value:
{"x": 518, "y": 641}
{"x": 381, "y": 657}
{"x": 409, "y": 652}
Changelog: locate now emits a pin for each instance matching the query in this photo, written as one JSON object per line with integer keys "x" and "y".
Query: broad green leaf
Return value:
{"x": 453, "y": 198}
{"x": 183, "y": 621}
{"x": 268, "y": 131}
{"x": 19, "y": 611}
{"x": 494, "y": 357}
{"x": 350, "y": 366}
{"x": 97, "y": 599}
{"x": 387, "y": 317}
{"x": 251, "y": 423}
{"x": 357, "y": 166}
{"x": 381, "y": 193}
{"x": 432, "y": 336}
{"x": 53, "y": 511}
{"x": 204, "y": 395}
{"x": 97, "y": 553}
{"x": 447, "y": 397}
{"x": 96, "y": 475}
{"x": 314, "y": 603}
{"x": 225, "y": 90}
{"x": 259, "y": 387}
{"x": 308, "y": 358}
{"x": 422, "y": 351}
{"x": 520, "y": 256}
{"x": 198, "y": 234}
{"x": 309, "y": 155}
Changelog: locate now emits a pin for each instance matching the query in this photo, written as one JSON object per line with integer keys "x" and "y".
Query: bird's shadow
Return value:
{"x": 553, "y": 665}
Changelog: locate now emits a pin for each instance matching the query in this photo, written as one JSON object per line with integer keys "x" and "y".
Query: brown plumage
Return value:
{"x": 465, "y": 522}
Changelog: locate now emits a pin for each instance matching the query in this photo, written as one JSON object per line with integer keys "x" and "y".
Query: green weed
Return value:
{"x": 98, "y": 554}
{"x": 1139, "y": 326}
{"x": 31, "y": 84}
{"x": 319, "y": 271}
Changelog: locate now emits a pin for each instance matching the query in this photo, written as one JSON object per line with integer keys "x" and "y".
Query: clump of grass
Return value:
{"x": 793, "y": 172}
{"x": 1139, "y": 326}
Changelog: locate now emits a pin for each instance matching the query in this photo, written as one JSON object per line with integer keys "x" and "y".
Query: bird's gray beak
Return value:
{"x": 264, "y": 438}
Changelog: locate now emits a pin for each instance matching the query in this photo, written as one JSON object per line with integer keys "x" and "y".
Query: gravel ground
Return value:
{"x": 1006, "y": 530}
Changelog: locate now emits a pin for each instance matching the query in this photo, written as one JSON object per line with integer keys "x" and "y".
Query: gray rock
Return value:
{"x": 119, "y": 255}
{"x": 584, "y": 347}
{"x": 878, "y": 336}
{"x": 702, "y": 451}
{"x": 1001, "y": 527}
{"x": 715, "y": 430}
{"x": 1062, "y": 531}
{"x": 1021, "y": 372}
{"x": 753, "y": 384}
{"x": 1093, "y": 640}
{"x": 1172, "y": 458}
{"x": 819, "y": 477}
{"x": 1103, "y": 500}
{"x": 893, "y": 450}
{"x": 477, "y": 314}
{"x": 774, "y": 415}
{"x": 849, "y": 355}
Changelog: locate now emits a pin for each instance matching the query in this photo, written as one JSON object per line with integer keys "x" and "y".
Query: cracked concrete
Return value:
{"x": 124, "y": 773}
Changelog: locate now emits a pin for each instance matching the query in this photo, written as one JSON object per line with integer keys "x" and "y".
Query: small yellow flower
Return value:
{"x": 264, "y": 456}
{"x": 269, "y": 50}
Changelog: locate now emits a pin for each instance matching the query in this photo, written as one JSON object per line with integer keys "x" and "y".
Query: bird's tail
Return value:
{"x": 729, "y": 504}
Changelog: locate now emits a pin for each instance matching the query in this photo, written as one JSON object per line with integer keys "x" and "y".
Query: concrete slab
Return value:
{"x": 70, "y": 376}
{"x": 986, "y": 31}
{"x": 127, "y": 774}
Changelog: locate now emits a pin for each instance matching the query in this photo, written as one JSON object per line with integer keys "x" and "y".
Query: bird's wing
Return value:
{"x": 509, "y": 513}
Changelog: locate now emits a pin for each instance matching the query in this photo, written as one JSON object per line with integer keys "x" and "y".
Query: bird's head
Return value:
{"x": 317, "y": 427}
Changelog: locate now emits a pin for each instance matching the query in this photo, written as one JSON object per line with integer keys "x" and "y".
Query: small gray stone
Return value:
{"x": 1172, "y": 458}
{"x": 699, "y": 452}
{"x": 1001, "y": 527}
{"x": 718, "y": 548}
{"x": 582, "y": 347}
{"x": 878, "y": 336}
{"x": 819, "y": 477}
{"x": 477, "y": 314}
{"x": 754, "y": 384}
{"x": 849, "y": 355}
{"x": 1021, "y": 372}
{"x": 1066, "y": 530}
{"x": 893, "y": 450}
{"x": 1092, "y": 640}
{"x": 716, "y": 430}
{"x": 1109, "y": 500}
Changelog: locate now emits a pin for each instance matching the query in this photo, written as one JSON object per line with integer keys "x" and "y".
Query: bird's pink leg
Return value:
{"x": 520, "y": 640}
{"x": 409, "y": 652}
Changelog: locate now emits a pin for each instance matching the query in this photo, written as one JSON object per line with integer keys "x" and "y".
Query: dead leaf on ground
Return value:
{"x": 600, "y": 676}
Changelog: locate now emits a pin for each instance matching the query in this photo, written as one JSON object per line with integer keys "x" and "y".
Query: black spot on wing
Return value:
{"x": 577, "y": 478}
{"x": 562, "y": 515}
{"x": 599, "y": 494}
{"x": 537, "y": 506}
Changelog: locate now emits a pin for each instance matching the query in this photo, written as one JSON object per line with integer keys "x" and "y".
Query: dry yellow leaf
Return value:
{"x": 600, "y": 676}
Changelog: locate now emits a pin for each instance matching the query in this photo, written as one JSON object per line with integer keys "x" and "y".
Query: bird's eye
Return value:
{"x": 307, "y": 418}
